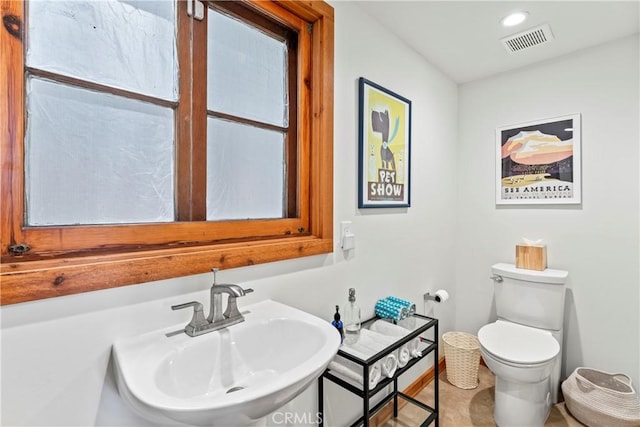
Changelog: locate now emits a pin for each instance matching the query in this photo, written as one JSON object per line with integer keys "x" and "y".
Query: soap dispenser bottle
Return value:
{"x": 351, "y": 319}
{"x": 337, "y": 323}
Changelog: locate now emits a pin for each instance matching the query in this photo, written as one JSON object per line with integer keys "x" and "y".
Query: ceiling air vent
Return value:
{"x": 527, "y": 39}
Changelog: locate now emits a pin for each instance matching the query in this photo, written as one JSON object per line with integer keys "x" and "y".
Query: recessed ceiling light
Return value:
{"x": 514, "y": 19}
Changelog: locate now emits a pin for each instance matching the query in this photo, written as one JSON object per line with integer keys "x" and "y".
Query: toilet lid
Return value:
{"x": 517, "y": 343}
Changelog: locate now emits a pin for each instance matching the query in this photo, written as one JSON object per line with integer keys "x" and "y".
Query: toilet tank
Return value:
{"x": 529, "y": 297}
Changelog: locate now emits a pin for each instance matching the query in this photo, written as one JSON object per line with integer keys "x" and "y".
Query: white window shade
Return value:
{"x": 247, "y": 71}
{"x": 245, "y": 171}
{"x": 128, "y": 45}
{"x": 96, "y": 158}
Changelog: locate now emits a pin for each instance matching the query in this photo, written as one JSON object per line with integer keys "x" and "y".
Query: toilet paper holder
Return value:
{"x": 430, "y": 297}
{"x": 436, "y": 297}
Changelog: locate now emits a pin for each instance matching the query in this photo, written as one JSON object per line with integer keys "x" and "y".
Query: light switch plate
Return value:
{"x": 347, "y": 238}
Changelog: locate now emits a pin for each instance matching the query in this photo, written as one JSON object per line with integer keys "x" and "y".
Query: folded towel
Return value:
{"x": 387, "y": 328}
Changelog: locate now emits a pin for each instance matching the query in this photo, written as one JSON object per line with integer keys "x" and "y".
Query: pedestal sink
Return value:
{"x": 230, "y": 377}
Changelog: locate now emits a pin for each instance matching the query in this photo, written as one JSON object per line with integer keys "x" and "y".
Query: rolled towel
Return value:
{"x": 377, "y": 342}
{"x": 404, "y": 303}
{"x": 389, "y": 365}
{"x": 371, "y": 343}
{"x": 409, "y": 321}
{"x": 392, "y": 331}
{"x": 387, "y": 328}
{"x": 352, "y": 370}
{"x": 402, "y": 354}
{"x": 399, "y": 331}
{"x": 389, "y": 310}
{"x": 386, "y": 366}
{"x": 414, "y": 347}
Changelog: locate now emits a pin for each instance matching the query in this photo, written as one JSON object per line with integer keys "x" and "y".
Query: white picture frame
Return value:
{"x": 538, "y": 162}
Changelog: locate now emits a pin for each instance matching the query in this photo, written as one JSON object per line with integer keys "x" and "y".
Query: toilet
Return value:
{"x": 523, "y": 347}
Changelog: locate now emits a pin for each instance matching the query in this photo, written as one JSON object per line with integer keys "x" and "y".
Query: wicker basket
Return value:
{"x": 597, "y": 398}
{"x": 462, "y": 358}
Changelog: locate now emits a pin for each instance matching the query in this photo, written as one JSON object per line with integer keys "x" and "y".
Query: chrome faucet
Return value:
{"x": 217, "y": 319}
{"x": 234, "y": 291}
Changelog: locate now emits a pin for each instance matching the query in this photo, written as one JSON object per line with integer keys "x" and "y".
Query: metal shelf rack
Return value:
{"x": 427, "y": 346}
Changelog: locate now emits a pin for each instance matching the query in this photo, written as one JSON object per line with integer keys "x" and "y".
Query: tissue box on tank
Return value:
{"x": 531, "y": 257}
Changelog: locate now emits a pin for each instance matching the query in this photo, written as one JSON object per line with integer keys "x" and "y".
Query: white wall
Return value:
{"x": 55, "y": 353}
{"x": 596, "y": 242}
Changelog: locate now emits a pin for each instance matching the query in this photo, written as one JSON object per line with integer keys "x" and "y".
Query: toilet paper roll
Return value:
{"x": 442, "y": 295}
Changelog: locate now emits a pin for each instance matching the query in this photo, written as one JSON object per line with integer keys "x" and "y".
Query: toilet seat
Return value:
{"x": 518, "y": 344}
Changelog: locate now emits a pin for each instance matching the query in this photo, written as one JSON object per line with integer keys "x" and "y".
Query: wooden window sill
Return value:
{"x": 28, "y": 280}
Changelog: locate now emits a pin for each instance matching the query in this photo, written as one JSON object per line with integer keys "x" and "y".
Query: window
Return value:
{"x": 250, "y": 122}
{"x": 145, "y": 144}
{"x": 100, "y": 100}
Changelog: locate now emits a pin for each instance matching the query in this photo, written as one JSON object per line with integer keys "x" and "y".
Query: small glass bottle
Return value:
{"x": 351, "y": 320}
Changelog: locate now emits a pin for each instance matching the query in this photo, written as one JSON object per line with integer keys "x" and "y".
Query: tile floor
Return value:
{"x": 468, "y": 408}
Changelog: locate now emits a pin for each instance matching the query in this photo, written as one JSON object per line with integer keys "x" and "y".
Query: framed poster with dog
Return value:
{"x": 384, "y": 164}
{"x": 538, "y": 162}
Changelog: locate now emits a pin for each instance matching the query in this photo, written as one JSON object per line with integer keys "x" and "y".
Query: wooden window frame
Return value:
{"x": 62, "y": 263}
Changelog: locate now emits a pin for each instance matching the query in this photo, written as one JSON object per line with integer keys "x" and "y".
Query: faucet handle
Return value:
{"x": 197, "y": 321}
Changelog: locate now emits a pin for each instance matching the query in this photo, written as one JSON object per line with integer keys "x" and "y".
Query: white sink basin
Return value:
{"x": 230, "y": 377}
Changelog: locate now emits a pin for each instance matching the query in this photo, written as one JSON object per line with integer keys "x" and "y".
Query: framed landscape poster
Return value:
{"x": 384, "y": 163}
{"x": 539, "y": 162}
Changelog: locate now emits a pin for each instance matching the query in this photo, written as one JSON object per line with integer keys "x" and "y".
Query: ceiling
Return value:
{"x": 462, "y": 38}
